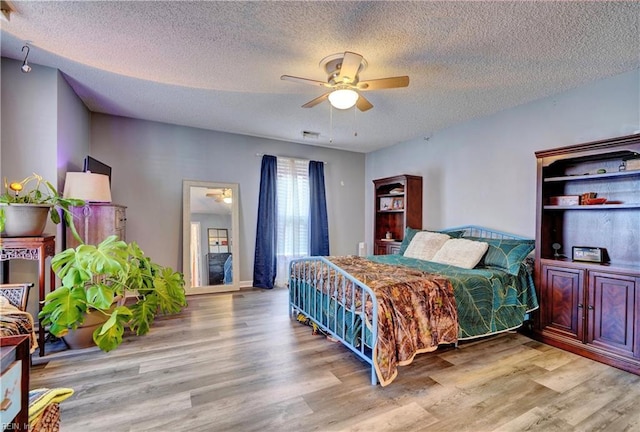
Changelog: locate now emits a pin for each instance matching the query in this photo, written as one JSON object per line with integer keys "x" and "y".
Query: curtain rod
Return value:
{"x": 293, "y": 157}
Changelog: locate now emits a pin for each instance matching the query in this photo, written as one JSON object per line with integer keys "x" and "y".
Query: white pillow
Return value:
{"x": 425, "y": 244}
{"x": 461, "y": 253}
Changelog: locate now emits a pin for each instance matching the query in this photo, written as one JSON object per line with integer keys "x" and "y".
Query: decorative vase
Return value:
{"x": 25, "y": 220}
{"x": 82, "y": 337}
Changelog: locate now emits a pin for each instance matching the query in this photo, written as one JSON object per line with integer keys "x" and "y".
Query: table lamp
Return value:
{"x": 87, "y": 186}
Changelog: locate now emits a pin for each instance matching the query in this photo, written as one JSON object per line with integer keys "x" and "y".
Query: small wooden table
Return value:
{"x": 34, "y": 249}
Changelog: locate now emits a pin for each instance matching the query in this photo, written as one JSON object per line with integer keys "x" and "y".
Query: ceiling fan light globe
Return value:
{"x": 227, "y": 200}
{"x": 343, "y": 98}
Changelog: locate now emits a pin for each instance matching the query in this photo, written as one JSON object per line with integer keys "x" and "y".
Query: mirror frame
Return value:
{"x": 186, "y": 236}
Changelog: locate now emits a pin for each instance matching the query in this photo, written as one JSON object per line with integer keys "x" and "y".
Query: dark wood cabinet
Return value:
{"x": 398, "y": 205}
{"x": 612, "y": 307}
{"x": 383, "y": 247}
{"x": 591, "y": 307}
{"x": 97, "y": 221}
{"x": 14, "y": 375}
{"x": 562, "y": 294}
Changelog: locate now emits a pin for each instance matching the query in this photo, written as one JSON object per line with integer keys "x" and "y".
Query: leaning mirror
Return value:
{"x": 210, "y": 237}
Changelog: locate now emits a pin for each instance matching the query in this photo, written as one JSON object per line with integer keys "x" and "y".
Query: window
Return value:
{"x": 293, "y": 214}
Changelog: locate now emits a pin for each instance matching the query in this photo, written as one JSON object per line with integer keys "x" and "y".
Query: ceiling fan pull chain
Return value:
{"x": 330, "y": 124}
{"x": 355, "y": 130}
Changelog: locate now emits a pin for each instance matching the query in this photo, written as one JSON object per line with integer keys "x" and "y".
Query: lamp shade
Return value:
{"x": 87, "y": 186}
{"x": 343, "y": 98}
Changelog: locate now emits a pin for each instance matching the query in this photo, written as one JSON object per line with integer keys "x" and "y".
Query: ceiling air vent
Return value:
{"x": 310, "y": 135}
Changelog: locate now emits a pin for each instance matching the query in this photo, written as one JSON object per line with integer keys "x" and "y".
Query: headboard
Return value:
{"x": 484, "y": 232}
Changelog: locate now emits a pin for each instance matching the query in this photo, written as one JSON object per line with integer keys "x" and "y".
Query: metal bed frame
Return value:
{"x": 302, "y": 300}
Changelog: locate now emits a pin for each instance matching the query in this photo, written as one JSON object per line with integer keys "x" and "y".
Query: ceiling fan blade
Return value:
{"x": 363, "y": 104}
{"x": 316, "y": 101}
{"x": 304, "y": 81}
{"x": 384, "y": 83}
{"x": 350, "y": 67}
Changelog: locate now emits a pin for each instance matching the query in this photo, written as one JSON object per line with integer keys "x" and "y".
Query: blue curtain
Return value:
{"x": 264, "y": 263}
{"x": 318, "y": 221}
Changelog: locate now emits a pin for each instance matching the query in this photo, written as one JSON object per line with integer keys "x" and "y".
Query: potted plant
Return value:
{"x": 95, "y": 277}
{"x": 24, "y": 212}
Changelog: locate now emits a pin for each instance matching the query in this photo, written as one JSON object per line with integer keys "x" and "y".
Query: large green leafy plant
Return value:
{"x": 94, "y": 277}
{"x": 42, "y": 193}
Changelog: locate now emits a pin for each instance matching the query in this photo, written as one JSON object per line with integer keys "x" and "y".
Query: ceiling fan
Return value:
{"x": 220, "y": 195}
{"x": 344, "y": 81}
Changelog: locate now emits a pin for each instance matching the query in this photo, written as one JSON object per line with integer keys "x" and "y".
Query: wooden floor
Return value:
{"x": 237, "y": 362}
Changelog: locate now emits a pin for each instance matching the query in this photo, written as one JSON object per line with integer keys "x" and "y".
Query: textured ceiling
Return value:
{"x": 217, "y": 65}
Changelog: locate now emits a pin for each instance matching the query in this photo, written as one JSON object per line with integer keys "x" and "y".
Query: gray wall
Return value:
{"x": 74, "y": 130}
{"x": 483, "y": 171}
{"x": 29, "y": 122}
{"x": 150, "y": 160}
{"x": 45, "y": 126}
{"x": 45, "y": 129}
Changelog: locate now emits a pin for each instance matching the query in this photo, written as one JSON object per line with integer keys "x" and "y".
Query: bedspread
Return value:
{"x": 489, "y": 300}
{"x": 416, "y": 311}
{"x": 14, "y": 321}
{"x": 18, "y": 323}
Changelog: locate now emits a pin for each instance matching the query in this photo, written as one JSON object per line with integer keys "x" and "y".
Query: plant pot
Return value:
{"x": 25, "y": 220}
{"x": 82, "y": 337}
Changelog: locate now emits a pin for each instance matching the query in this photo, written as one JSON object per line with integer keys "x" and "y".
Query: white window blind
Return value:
{"x": 293, "y": 214}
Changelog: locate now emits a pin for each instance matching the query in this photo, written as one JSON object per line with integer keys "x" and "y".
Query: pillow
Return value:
{"x": 506, "y": 254}
{"x": 425, "y": 244}
{"x": 461, "y": 253}
{"x": 410, "y": 232}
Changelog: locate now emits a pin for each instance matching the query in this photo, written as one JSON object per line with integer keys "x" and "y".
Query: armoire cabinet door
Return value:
{"x": 613, "y": 311}
{"x": 563, "y": 307}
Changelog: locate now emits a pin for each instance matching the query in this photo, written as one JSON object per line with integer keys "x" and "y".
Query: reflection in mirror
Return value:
{"x": 210, "y": 236}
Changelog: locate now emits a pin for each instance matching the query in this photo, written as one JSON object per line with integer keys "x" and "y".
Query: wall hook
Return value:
{"x": 25, "y": 66}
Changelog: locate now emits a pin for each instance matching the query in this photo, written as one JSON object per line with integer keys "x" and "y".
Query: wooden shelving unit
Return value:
{"x": 590, "y": 308}
{"x": 398, "y": 204}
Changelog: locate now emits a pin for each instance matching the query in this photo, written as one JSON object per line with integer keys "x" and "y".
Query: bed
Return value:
{"x": 389, "y": 308}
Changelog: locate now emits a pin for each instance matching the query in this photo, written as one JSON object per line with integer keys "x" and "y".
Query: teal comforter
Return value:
{"x": 489, "y": 300}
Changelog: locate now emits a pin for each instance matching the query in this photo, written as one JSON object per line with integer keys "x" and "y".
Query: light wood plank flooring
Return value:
{"x": 237, "y": 362}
